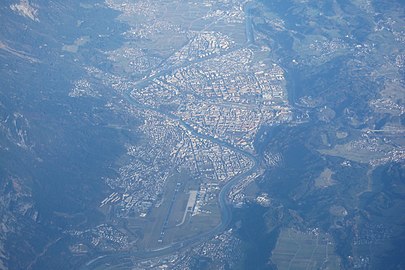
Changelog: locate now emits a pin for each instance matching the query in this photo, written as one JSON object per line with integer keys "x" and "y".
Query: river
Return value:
{"x": 106, "y": 261}
{"x": 225, "y": 206}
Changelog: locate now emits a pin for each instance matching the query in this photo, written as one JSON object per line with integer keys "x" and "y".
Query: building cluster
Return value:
{"x": 372, "y": 234}
{"x": 360, "y": 262}
{"x": 378, "y": 148}
{"x": 200, "y": 107}
{"x": 400, "y": 59}
{"x": 210, "y": 161}
{"x": 234, "y": 124}
{"x": 149, "y": 30}
{"x": 263, "y": 200}
{"x": 201, "y": 45}
{"x": 206, "y": 193}
{"x": 318, "y": 49}
{"x": 132, "y": 60}
{"x": 387, "y": 105}
{"x": 141, "y": 179}
{"x": 117, "y": 83}
{"x": 103, "y": 237}
{"x": 395, "y": 155}
{"x": 81, "y": 88}
{"x": 236, "y": 195}
{"x": 223, "y": 250}
{"x": 193, "y": 109}
{"x": 221, "y": 247}
{"x": 222, "y": 97}
{"x": 129, "y": 8}
{"x": 231, "y": 15}
{"x": 137, "y": 188}
{"x": 273, "y": 159}
{"x": 328, "y": 46}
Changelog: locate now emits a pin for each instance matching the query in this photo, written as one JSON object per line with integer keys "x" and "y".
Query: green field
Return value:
{"x": 304, "y": 250}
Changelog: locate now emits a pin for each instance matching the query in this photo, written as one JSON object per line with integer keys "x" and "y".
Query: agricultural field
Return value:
{"x": 304, "y": 250}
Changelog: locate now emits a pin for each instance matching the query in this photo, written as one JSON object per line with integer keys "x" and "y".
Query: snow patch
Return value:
{"x": 25, "y": 9}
